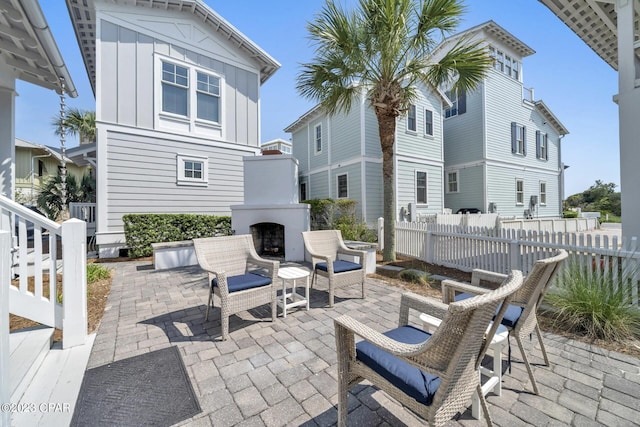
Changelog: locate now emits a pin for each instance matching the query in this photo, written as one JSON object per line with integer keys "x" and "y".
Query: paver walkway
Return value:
{"x": 284, "y": 373}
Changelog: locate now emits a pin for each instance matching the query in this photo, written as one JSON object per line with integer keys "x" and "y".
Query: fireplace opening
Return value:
{"x": 268, "y": 239}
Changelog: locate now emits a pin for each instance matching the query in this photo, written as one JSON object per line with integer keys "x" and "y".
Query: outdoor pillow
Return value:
{"x": 339, "y": 266}
{"x": 511, "y": 316}
{"x": 244, "y": 281}
{"x": 418, "y": 384}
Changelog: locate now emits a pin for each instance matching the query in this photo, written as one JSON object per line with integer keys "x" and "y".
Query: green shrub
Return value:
{"x": 569, "y": 214}
{"x": 97, "y": 272}
{"x": 329, "y": 214}
{"x": 141, "y": 230}
{"x": 591, "y": 301}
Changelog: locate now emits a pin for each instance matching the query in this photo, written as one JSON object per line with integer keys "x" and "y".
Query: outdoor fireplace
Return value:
{"x": 268, "y": 239}
{"x": 271, "y": 212}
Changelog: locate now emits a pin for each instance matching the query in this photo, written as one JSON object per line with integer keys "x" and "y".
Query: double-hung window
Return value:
{"x": 452, "y": 182}
{"x": 421, "y": 187}
{"x": 458, "y": 103}
{"x": 208, "y": 96}
{"x": 543, "y": 193}
{"x": 317, "y": 133}
{"x": 428, "y": 122}
{"x": 411, "y": 119}
{"x": 175, "y": 89}
{"x": 519, "y": 192}
{"x": 343, "y": 186}
{"x": 303, "y": 191}
{"x": 542, "y": 146}
{"x": 518, "y": 139}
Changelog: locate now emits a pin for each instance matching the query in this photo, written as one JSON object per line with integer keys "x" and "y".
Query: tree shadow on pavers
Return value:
{"x": 188, "y": 324}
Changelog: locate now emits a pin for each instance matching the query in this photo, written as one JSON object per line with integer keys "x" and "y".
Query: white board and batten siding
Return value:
{"x": 130, "y": 70}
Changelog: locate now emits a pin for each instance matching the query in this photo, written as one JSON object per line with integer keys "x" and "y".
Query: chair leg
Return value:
{"x": 313, "y": 278}
{"x": 274, "y": 310}
{"x": 526, "y": 363}
{"x": 209, "y": 305}
{"x": 363, "y": 292}
{"x": 224, "y": 323}
{"x": 544, "y": 350}
{"x": 485, "y": 407}
{"x": 330, "y": 294}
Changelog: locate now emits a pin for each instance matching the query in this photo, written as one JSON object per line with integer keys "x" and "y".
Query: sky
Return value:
{"x": 566, "y": 74}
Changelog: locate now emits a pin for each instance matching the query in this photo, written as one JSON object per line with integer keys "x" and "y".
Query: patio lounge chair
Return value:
{"x": 325, "y": 246}
{"x": 433, "y": 375}
{"x": 228, "y": 260}
{"x": 520, "y": 317}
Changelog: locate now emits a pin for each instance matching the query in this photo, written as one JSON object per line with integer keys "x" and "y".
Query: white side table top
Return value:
{"x": 290, "y": 273}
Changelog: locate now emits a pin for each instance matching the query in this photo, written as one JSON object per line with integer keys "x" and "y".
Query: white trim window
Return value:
{"x": 208, "y": 97}
{"x": 188, "y": 98}
{"x": 412, "y": 120}
{"x": 428, "y": 122}
{"x": 175, "y": 89}
{"x": 542, "y": 146}
{"x": 452, "y": 182}
{"x": 342, "y": 182}
{"x": 543, "y": 193}
{"x": 519, "y": 192}
{"x": 518, "y": 139}
{"x": 317, "y": 138}
{"x": 421, "y": 188}
{"x": 192, "y": 170}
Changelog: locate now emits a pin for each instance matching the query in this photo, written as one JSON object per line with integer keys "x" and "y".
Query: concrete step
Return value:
{"x": 28, "y": 348}
{"x": 53, "y": 391}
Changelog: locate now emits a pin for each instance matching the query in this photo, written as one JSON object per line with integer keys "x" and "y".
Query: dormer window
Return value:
{"x": 505, "y": 63}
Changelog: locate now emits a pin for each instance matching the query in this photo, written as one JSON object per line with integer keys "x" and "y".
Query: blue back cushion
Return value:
{"x": 418, "y": 384}
{"x": 511, "y": 316}
{"x": 244, "y": 281}
{"x": 339, "y": 266}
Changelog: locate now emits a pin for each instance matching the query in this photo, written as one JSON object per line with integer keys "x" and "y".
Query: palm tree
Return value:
{"x": 386, "y": 47}
{"x": 49, "y": 198}
{"x": 80, "y": 123}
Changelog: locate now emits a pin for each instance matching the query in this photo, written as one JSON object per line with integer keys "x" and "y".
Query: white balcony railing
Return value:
{"x": 42, "y": 252}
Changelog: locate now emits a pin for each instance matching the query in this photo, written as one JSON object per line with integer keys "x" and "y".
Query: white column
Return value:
{"x": 629, "y": 111}
{"x": 5, "y": 282}
{"x": 74, "y": 283}
{"x": 7, "y": 141}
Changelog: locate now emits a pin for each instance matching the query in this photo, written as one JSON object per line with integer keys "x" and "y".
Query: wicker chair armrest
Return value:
{"x": 353, "y": 252}
{"x": 354, "y": 327}
{"x": 479, "y": 275}
{"x": 422, "y": 304}
{"x": 450, "y": 287}
{"x": 270, "y": 266}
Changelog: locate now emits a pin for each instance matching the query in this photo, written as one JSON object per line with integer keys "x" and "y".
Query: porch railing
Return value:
{"x": 85, "y": 212}
{"x": 5, "y": 282}
{"x": 42, "y": 254}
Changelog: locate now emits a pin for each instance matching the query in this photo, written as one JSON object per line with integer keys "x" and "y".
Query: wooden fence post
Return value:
{"x": 380, "y": 234}
{"x": 74, "y": 283}
{"x": 5, "y": 282}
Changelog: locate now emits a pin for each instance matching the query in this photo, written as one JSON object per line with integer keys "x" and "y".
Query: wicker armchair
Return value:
{"x": 433, "y": 375}
{"x": 324, "y": 247}
{"x": 520, "y": 317}
{"x": 227, "y": 260}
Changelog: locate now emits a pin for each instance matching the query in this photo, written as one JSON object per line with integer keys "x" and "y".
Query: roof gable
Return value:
{"x": 83, "y": 17}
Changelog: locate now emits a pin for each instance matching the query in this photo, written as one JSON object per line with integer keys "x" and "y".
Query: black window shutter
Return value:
{"x": 546, "y": 146}
{"x": 462, "y": 102}
{"x": 514, "y": 142}
{"x": 538, "y": 144}
{"x": 524, "y": 140}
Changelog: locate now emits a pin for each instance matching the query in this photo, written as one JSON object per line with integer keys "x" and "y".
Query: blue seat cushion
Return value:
{"x": 339, "y": 266}
{"x": 511, "y": 316}
{"x": 244, "y": 281}
{"x": 418, "y": 384}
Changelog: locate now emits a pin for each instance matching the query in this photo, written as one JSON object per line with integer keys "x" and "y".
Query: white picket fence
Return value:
{"x": 467, "y": 248}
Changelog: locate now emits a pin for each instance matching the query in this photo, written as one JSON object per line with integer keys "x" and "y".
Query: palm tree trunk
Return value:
{"x": 387, "y": 131}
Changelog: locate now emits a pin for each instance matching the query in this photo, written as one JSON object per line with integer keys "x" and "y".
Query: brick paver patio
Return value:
{"x": 284, "y": 373}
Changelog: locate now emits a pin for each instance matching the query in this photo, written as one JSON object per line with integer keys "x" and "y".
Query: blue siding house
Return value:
{"x": 502, "y": 147}
{"x": 340, "y": 157}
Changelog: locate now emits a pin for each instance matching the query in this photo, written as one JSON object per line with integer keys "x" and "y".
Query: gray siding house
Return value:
{"x": 177, "y": 108}
{"x": 502, "y": 147}
{"x": 340, "y": 157}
